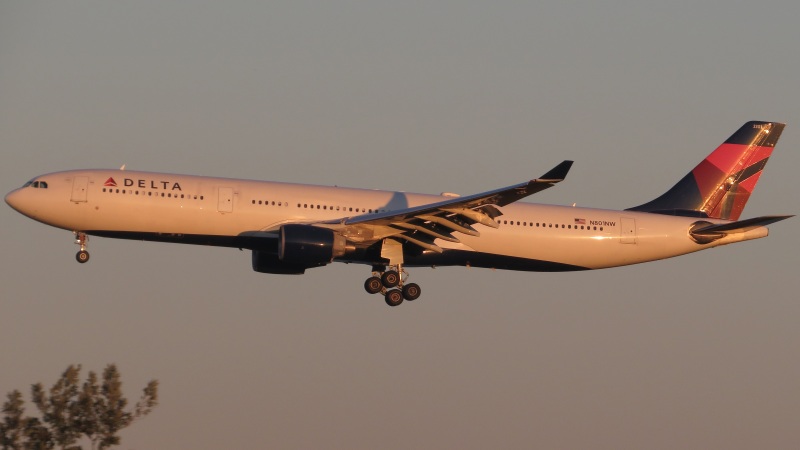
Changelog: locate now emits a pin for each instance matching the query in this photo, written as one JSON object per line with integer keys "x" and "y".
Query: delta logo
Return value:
{"x": 110, "y": 182}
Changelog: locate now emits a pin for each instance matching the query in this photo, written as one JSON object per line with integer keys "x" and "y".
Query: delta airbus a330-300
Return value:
{"x": 293, "y": 227}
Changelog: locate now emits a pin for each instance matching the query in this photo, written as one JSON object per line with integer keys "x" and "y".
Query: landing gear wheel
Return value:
{"x": 411, "y": 291}
{"x": 390, "y": 278}
{"x": 373, "y": 285}
{"x": 82, "y": 256}
{"x": 394, "y": 297}
{"x": 80, "y": 238}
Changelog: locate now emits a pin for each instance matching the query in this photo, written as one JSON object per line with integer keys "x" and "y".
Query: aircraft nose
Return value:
{"x": 12, "y": 198}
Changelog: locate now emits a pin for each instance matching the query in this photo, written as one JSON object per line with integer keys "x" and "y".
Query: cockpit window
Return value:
{"x": 36, "y": 184}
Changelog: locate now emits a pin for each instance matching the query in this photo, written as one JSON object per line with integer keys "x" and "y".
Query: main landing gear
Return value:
{"x": 80, "y": 238}
{"x": 390, "y": 283}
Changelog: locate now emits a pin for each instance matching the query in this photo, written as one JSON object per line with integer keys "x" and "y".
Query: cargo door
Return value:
{"x": 627, "y": 230}
{"x": 79, "y": 188}
{"x": 225, "y": 202}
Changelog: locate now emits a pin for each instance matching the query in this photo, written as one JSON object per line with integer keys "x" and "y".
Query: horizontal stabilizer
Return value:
{"x": 740, "y": 226}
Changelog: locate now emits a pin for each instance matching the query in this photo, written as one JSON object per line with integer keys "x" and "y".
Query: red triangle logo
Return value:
{"x": 110, "y": 182}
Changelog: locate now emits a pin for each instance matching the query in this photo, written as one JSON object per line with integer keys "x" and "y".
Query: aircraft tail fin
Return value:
{"x": 721, "y": 184}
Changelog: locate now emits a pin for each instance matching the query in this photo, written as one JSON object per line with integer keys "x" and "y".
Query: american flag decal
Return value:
{"x": 580, "y": 221}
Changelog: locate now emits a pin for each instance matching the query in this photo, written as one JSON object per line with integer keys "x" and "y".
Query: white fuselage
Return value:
{"x": 144, "y": 205}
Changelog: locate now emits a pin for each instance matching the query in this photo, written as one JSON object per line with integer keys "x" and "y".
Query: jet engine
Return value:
{"x": 268, "y": 262}
{"x": 300, "y": 247}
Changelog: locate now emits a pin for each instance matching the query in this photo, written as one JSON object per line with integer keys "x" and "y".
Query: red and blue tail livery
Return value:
{"x": 291, "y": 227}
{"x": 721, "y": 184}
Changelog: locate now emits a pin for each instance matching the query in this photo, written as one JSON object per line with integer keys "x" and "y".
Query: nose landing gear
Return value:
{"x": 80, "y": 238}
{"x": 391, "y": 284}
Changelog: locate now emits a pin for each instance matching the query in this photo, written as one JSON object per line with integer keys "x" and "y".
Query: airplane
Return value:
{"x": 290, "y": 228}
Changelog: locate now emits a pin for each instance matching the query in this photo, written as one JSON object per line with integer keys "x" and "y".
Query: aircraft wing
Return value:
{"x": 421, "y": 225}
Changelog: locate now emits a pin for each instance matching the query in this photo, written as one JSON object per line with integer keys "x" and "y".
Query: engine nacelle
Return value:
{"x": 309, "y": 246}
{"x": 268, "y": 262}
{"x": 300, "y": 247}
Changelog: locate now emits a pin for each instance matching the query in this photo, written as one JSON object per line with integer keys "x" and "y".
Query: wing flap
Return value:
{"x": 421, "y": 241}
{"x": 475, "y": 215}
{"x": 429, "y": 229}
{"x": 452, "y": 222}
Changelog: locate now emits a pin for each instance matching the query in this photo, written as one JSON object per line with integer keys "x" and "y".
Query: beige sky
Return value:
{"x": 694, "y": 352}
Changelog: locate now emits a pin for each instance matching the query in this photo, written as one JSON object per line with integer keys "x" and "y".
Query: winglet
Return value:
{"x": 557, "y": 173}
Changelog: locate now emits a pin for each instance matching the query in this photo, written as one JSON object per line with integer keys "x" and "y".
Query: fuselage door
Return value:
{"x": 79, "y": 187}
{"x": 627, "y": 230}
{"x": 225, "y": 202}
